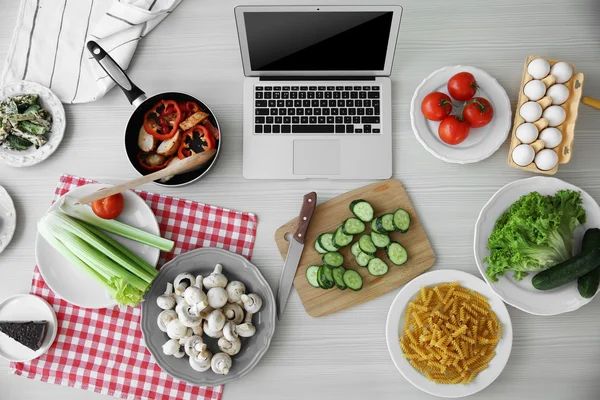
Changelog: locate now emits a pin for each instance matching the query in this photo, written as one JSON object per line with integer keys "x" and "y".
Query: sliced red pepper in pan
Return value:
{"x": 157, "y": 126}
{"x": 211, "y": 128}
{"x": 195, "y": 140}
{"x": 152, "y": 161}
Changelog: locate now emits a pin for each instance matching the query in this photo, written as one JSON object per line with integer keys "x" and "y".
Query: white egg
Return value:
{"x": 534, "y": 90}
{"x": 562, "y": 71}
{"x": 559, "y": 93}
{"x": 523, "y": 155}
{"x": 538, "y": 68}
{"x": 546, "y": 159}
{"x": 555, "y": 115}
{"x": 530, "y": 111}
{"x": 551, "y": 137}
{"x": 527, "y": 132}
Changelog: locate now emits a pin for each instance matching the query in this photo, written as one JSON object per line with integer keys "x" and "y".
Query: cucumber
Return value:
{"x": 362, "y": 209}
{"x": 325, "y": 277}
{"x": 387, "y": 222}
{"x": 380, "y": 240}
{"x": 326, "y": 242}
{"x": 353, "y": 280}
{"x": 311, "y": 275}
{"x": 362, "y": 259}
{"x": 318, "y": 247}
{"x": 397, "y": 253}
{"x": 340, "y": 239}
{"x": 588, "y": 283}
{"x": 567, "y": 271}
{"x": 379, "y": 225}
{"x": 374, "y": 226}
{"x": 355, "y": 249}
{"x": 366, "y": 245}
{"x": 353, "y": 226}
{"x": 377, "y": 267}
{"x": 401, "y": 220}
{"x": 333, "y": 259}
{"x": 338, "y": 277}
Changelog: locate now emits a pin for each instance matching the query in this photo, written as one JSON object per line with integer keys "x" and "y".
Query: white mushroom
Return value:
{"x": 217, "y": 297}
{"x": 197, "y": 330}
{"x": 230, "y": 347}
{"x": 171, "y": 347}
{"x": 230, "y": 332}
{"x": 246, "y": 329}
{"x": 178, "y": 299}
{"x": 164, "y": 318}
{"x": 166, "y": 301}
{"x": 194, "y": 295}
{"x": 179, "y": 354}
{"x": 221, "y": 363}
{"x": 206, "y": 312}
{"x": 211, "y": 333}
{"x": 233, "y": 312}
{"x": 202, "y": 361}
{"x": 252, "y": 303}
{"x": 182, "y": 282}
{"x": 188, "y": 315}
{"x": 176, "y": 330}
{"x": 235, "y": 290}
{"x": 216, "y": 278}
{"x": 194, "y": 345}
{"x": 216, "y": 320}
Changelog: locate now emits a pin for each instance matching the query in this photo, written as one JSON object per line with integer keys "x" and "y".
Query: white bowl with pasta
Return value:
{"x": 395, "y": 325}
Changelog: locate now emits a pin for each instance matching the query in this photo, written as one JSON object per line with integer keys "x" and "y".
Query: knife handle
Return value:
{"x": 308, "y": 207}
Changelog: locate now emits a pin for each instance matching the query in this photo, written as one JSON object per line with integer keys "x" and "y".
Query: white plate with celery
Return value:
{"x": 98, "y": 263}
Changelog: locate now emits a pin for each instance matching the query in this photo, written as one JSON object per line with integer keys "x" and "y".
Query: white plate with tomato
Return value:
{"x": 460, "y": 114}
{"x": 67, "y": 280}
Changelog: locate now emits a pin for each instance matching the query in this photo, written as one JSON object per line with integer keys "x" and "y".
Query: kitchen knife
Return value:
{"x": 295, "y": 252}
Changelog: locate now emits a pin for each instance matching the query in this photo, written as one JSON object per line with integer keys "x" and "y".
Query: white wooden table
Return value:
{"x": 342, "y": 355}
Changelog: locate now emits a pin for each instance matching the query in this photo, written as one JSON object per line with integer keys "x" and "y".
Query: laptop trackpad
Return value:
{"x": 317, "y": 157}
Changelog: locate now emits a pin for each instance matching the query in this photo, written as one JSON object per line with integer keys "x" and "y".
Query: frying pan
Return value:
{"x": 142, "y": 104}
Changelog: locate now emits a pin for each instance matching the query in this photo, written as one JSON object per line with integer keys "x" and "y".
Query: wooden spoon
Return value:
{"x": 186, "y": 165}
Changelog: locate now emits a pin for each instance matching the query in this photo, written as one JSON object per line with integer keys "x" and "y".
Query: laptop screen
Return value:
{"x": 318, "y": 41}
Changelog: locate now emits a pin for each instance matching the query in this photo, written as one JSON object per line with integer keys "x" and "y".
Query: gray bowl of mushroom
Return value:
{"x": 208, "y": 317}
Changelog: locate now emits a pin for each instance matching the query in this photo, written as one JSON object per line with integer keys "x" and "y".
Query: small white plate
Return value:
{"x": 73, "y": 284}
{"x": 48, "y": 101}
{"x": 481, "y": 142}
{"x": 8, "y": 219}
{"x": 394, "y": 328}
{"x": 26, "y": 307}
{"x": 522, "y": 294}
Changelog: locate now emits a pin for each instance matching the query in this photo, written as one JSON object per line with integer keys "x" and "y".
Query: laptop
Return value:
{"x": 317, "y": 93}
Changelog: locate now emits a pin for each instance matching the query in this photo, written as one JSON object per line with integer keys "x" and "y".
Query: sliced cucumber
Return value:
{"x": 326, "y": 242}
{"x": 379, "y": 225}
{"x": 325, "y": 277}
{"x": 387, "y": 222}
{"x": 338, "y": 277}
{"x": 366, "y": 244}
{"x": 362, "y": 259}
{"x": 333, "y": 259}
{"x": 340, "y": 239}
{"x": 353, "y": 280}
{"x": 355, "y": 249}
{"x": 377, "y": 267}
{"x": 397, "y": 253}
{"x": 380, "y": 240}
{"x": 362, "y": 209}
{"x": 401, "y": 220}
{"x": 318, "y": 247}
{"x": 311, "y": 275}
{"x": 353, "y": 226}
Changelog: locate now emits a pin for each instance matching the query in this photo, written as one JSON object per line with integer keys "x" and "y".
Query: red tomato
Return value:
{"x": 453, "y": 130}
{"x": 478, "y": 112}
{"x": 436, "y": 106}
{"x": 108, "y": 207}
{"x": 462, "y": 86}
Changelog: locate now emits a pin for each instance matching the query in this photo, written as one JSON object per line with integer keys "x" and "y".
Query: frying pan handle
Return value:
{"x": 134, "y": 94}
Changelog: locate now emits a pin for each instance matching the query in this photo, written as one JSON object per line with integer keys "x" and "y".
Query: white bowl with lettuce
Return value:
{"x": 517, "y": 256}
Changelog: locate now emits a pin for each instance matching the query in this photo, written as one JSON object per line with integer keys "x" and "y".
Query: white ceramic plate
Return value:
{"x": 26, "y": 307}
{"x": 74, "y": 285}
{"x": 395, "y": 326}
{"x": 50, "y": 102}
{"x": 522, "y": 294}
{"x": 8, "y": 219}
{"x": 481, "y": 142}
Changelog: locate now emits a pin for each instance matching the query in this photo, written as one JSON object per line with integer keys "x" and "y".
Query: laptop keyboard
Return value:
{"x": 317, "y": 110}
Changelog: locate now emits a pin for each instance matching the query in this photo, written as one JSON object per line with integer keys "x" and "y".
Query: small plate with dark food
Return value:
{"x": 32, "y": 123}
{"x": 28, "y": 327}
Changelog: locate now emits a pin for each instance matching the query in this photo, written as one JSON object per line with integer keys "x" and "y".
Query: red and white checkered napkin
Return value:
{"x": 103, "y": 350}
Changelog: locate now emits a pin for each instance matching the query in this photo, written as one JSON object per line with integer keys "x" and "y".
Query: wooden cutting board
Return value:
{"x": 386, "y": 196}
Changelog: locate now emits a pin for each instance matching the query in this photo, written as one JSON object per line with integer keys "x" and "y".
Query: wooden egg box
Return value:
{"x": 567, "y": 128}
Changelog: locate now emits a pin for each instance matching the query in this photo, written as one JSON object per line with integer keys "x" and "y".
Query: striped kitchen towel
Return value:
{"x": 48, "y": 44}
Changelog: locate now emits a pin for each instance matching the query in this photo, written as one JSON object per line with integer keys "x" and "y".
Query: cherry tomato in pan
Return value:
{"x": 109, "y": 207}
{"x": 462, "y": 86}
{"x": 436, "y": 106}
{"x": 453, "y": 130}
{"x": 478, "y": 112}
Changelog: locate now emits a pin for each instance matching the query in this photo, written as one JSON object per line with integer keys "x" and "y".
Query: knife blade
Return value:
{"x": 295, "y": 252}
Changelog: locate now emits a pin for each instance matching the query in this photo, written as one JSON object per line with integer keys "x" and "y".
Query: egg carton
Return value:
{"x": 567, "y": 128}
